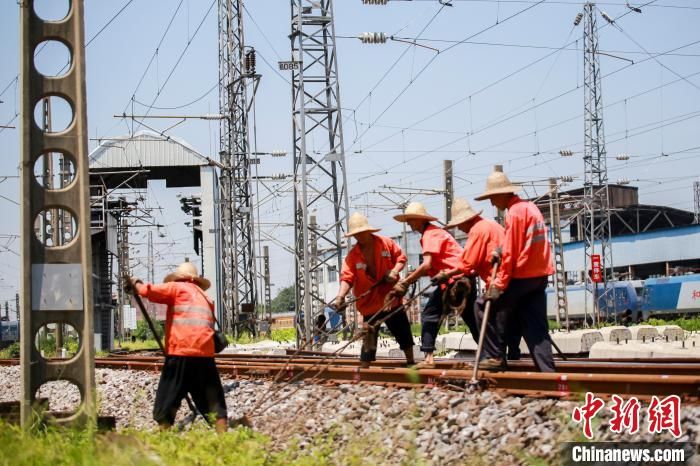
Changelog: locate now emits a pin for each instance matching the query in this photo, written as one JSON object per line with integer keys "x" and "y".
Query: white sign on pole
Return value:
{"x": 129, "y": 318}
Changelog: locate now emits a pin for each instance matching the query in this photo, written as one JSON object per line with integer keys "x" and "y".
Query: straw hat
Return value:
{"x": 187, "y": 272}
{"x": 461, "y": 212}
{"x": 497, "y": 183}
{"x": 414, "y": 211}
{"x": 358, "y": 223}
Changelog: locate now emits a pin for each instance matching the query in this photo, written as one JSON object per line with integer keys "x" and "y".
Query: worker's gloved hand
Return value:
{"x": 496, "y": 255}
{"x": 440, "y": 278}
{"x": 391, "y": 277}
{"x": 130, "y": 284}
{"x": 400, "y": 289}
{"x": 493, "y": 293}
{"x": 338, "y": 303}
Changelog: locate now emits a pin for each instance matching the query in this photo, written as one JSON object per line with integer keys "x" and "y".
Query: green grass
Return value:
{"x": 140, "y": 345}
{"x": 198, "y": 446}
{"x": 689, "y": 324}
{"x": 11, "y": 351}
{"x": 462, "y": 328}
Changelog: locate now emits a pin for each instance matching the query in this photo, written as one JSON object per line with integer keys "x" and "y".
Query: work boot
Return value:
{"x": 492, "y": 364}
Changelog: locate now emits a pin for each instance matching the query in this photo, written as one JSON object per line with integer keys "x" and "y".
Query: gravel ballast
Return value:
{"x": 440, "y": 426}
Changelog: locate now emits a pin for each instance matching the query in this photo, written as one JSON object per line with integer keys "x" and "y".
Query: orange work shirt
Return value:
{"x": 526, "y": 251}
{"x": 189, "y": 322}
{"x": 483, "y": 238}
{"x": 386, "y": 255}
{"x": 442, "y": 247}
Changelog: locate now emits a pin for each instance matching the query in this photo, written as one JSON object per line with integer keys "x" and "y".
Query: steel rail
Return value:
{"x": 568, "y": 385}
{"x": 682, "y": 367}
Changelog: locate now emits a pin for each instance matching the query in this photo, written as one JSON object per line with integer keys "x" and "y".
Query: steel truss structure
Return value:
{"x": 56, "y": 278}
{"x": 320, "y": 183}
{"x": 237, "y": 282}
{"x": 596, "y": 192}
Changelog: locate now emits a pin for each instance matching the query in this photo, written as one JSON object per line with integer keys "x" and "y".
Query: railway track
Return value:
{"x": 641, "y": 378}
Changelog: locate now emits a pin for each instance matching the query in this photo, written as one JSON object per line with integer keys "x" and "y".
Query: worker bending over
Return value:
{"x": 484, "y": 236}
{"x": 371, "y": 268}
{"x": 189, "y": 365}
{"x": 440, "y": 252}
{"x": 519, "y": 289}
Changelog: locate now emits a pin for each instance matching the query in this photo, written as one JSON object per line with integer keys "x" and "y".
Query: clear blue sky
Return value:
{"x": 401, "y": 147}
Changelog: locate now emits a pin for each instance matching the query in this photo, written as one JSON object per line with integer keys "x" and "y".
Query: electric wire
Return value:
{"x": 430, "y": 62}
{"x": 453, "y": 104}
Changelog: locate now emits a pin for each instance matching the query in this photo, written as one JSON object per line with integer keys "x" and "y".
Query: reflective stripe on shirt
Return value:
{"x": 180, "y": 321}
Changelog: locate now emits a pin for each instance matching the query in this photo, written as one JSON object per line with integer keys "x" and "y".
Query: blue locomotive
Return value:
{"x": 671, "y": 296}
{"x": 9, "y": 332}
{"x": 636, "y": 300}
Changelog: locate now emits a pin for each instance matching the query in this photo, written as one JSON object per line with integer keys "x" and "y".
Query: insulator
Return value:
{"x": 606, "y": 17}
{"x": 578, "y": 19}
{"x": 623, "y": 181}
{"x": 250, "y": 61}
{"x": 622, "y": 157}
{"x": 374, "y": 2}
{"x": 566, "y": 153}
{"x": 566, "y": 178}
{"x": 372, "y": 38}
{"x": 278, "y": 153}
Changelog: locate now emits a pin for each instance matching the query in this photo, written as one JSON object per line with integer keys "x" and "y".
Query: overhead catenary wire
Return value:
{"x": 510, "y": 117}
{"x": 154, "y": 55}
{"x": 179, "y": 60}
{"x": 509, "y": 75}
{"x": 430, "y": 62}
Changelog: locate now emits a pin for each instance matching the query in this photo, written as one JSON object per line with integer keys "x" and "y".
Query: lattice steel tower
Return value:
{"x": 596, "y": 222}
{"x": 320, "y": 178}
{"x": 237, "y": 239}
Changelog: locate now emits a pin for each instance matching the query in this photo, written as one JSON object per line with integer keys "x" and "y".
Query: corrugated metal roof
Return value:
{"x": 145, "y": 149}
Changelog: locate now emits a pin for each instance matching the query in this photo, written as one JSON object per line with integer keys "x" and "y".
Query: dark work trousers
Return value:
{"x": 433, "y": 311}
{"x": 469, "y": 313}
{"x": 398, "y": 325}
{"x": 520, "y": 311}
{"x": 513, "y": 335}
{"x": 495, "y": 328}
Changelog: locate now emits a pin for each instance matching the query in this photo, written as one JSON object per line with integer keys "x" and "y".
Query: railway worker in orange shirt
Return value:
{"x": 189, "y": 346}
{"x": 484, "y": 236}
{"x": 371, "y": 268}
{"x": 526, "y": 262}
{"x": 440, "y": 252}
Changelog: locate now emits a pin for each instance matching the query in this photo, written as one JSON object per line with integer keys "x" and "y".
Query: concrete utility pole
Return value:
{"x": 151, "y": 265}
{"x": 124, "y": 271}
{"x": 559, "y": 277}
{"x": 596, "y": 221}
{"x": 449, "y": 189}
{"x": 500, "y": 213}
{"x": 266, "y": 277}
{"x": 236, "y": 70}
{"x": 320, "y": 180}
{"x": 56, "y": 281}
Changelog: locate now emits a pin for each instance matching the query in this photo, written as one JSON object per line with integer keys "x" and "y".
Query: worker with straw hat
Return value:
{"x": 189, "y": 365}
{"x": 526, "y": 263}
{"x": 440, "y": 252}
{"x": 371, "y": 268}
{"x": 484, "y": 236}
